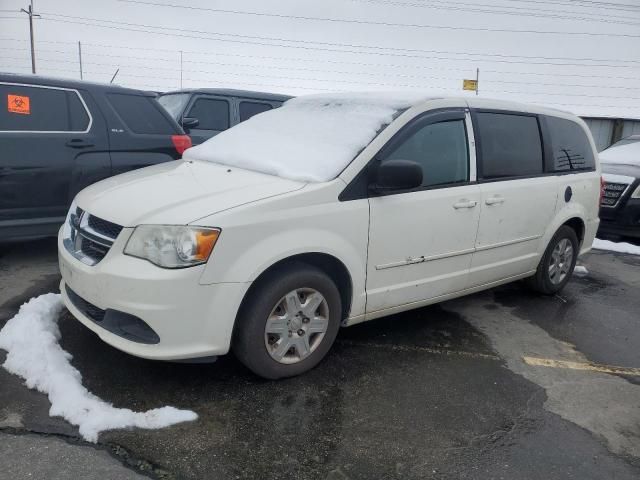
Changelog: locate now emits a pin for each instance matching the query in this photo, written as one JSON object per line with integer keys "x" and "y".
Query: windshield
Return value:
{"x": 310, "y": 138}
{"x": 174, "y": 103}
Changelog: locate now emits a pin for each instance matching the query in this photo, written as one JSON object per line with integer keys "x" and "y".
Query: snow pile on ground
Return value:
{"x": 580, "y": 271}
{"x": 310, "y": 138}
{"x": 31, "y": 340}
{"x": 621, "y": 247}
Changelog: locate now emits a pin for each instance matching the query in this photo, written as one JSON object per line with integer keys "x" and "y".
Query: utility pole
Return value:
{"x": 31, "y": 15}
{"x": 477, "y": 79}
{"x": 181, "y": 69}
{"x": 80, "y": 57}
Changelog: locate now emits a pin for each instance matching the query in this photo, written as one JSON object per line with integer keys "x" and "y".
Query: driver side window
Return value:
{"x": 212, "y": 114}
{"x": 440, "y": 148}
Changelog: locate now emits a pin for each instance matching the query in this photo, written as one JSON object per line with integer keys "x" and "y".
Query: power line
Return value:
{"x": 528, "y": 3}
{"x": 360, "y": 52}
{"x": 497, "y": 10}
{"x": 396, "y": 66}
{"x": 498, "y": 55}
{"x": 372, "y": 22}
{"x": 587, "y": 4}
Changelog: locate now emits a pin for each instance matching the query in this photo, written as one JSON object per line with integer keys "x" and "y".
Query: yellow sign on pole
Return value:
{"x": 470, "y": 85}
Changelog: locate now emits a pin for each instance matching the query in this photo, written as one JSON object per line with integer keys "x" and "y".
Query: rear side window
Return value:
{"x": 141, "y": 114}
{"x": 41, "y": 110}
{"x": 77, "y": 114}
{"x": 249, "y": 109}
{"x": 174, "y": 103}
{"x": 212, "y": 114}
{"x": 510, "y": 145}
{"x": 571, "y": 147}
{"x": 440, "y": 148}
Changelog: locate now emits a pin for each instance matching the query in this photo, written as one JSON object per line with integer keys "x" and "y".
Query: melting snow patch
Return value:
{"x": 580, "y": 271}
{"x": 33, "y": 352}
{"x": 621, "y": 247}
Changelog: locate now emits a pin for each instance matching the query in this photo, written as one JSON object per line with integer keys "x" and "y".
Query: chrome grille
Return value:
{"x": 104, "y": 227}
{"x": 89, "y": 238}
{"x": 612, "y": 193}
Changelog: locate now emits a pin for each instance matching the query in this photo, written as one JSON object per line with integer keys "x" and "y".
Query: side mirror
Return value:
{"x": 397, "y": 175}
{"x": 190, "y": 122}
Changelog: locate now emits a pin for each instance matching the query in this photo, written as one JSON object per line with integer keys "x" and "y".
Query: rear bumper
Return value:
{"x": 623, "y": 220}
{"x": 189, "y": 320}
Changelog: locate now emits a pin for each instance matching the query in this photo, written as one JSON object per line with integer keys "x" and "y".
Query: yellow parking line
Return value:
{"x": 593, "y": 367}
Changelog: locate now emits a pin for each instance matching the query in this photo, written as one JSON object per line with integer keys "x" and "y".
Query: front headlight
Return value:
{"x": 71, "y": 214}
{"x": 636, "y": 192}
{"x": 172, "y": 246}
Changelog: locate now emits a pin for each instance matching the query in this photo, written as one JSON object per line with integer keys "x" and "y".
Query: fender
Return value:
{"x": 567, "y": 212}
{"x": 264, "y": 238}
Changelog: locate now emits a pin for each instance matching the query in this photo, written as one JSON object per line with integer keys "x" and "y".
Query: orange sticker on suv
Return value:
{"x": 18, "y": 104}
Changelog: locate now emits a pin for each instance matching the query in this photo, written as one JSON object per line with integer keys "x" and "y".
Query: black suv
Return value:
{"x": 620, "y": 204}
{"x": 57, "y": 136}
{"x": 205, "y": 112}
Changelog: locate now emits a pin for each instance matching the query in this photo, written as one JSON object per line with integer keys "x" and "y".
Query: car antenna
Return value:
{"x": 114, "y": 75}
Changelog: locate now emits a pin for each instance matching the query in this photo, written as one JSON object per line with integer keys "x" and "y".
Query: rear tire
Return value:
{"x": 289, "y": 321}
{"x": 556, "y": 265}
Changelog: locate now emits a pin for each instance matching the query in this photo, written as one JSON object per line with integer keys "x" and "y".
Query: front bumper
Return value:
{"x": 190, "y": 319}
{"x": 623, "y": 220}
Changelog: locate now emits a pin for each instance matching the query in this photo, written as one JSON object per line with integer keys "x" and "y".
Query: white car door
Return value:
{"x": 518, "y": 200}
{"x": 421, "y": 241}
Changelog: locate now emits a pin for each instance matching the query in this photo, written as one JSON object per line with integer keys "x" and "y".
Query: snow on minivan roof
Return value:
{"x": 311, "y": 138}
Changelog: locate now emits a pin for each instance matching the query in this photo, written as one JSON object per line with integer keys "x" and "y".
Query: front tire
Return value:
{"x": 289, "y": 321}
{"x": 556, "y": 265}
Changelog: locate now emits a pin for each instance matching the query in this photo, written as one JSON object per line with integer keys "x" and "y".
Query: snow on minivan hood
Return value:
{"x": 311, "y": 138}
{"x": 177, "y": 193}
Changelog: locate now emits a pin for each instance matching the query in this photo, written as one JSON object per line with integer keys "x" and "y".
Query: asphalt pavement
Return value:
{"x": 502, "y": 384}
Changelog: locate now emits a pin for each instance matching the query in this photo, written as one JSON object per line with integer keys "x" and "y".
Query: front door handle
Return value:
{"x": 465, "y": 204}
{"x": 79, "y": 143}
{"x": 495, "y": 200}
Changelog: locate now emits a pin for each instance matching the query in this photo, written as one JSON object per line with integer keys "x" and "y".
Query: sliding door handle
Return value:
{"x": 496, "y": 200}
{"x": 465, "y": 204}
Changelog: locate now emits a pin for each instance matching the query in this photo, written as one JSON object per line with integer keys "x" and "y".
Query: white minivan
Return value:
{"x": 329, "y": 211}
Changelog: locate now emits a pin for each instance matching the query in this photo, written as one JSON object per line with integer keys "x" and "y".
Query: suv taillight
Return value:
{"x": 181, "y": 142}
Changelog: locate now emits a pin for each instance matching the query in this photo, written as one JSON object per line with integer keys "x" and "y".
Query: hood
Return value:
{"x": 177, "y": 193}
{"x": 626, "y": 154}
{"x": 621, "y": 169}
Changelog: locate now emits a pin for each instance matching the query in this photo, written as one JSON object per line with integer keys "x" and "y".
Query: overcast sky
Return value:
{"x": 578, "y": 55}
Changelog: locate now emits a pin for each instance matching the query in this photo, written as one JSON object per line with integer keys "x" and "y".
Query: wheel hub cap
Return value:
{"x": 296, "y": 326}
